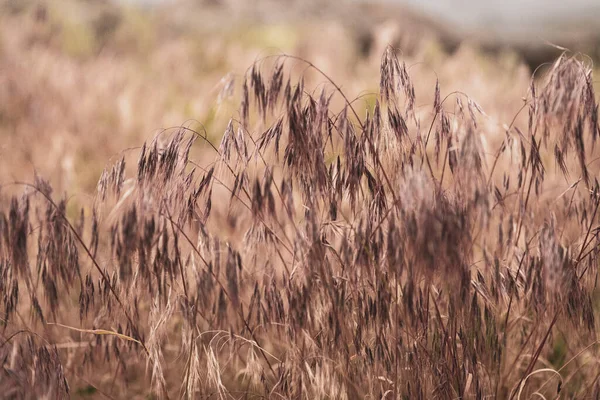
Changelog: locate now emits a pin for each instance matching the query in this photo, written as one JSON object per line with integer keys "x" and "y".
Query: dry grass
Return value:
{"x": 323, "y": 250}
{"x": 382, "y": 256}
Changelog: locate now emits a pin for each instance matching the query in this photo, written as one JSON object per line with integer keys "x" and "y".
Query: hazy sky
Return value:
{"x": 512, "y": 12}
{"x": 500, "y": 15}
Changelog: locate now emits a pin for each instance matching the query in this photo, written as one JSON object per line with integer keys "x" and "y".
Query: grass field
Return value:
{"x": 281, "y": 211}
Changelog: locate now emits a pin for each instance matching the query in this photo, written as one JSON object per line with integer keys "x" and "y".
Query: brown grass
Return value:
{"x": 324, "y": 253}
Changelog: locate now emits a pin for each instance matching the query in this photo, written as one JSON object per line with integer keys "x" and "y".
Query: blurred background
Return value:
{"x": 82, "y": 80}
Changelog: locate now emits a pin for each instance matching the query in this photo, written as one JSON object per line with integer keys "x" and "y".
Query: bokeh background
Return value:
{"x": 81, "y": 80}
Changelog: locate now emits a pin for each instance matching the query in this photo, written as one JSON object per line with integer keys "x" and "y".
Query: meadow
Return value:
{"x": 188, "y": 212}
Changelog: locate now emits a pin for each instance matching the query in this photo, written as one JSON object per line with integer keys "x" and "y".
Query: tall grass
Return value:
{"x": 324, "y": 253}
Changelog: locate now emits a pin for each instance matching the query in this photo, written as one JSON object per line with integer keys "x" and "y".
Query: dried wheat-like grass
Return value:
{"x": 363, "y": 269}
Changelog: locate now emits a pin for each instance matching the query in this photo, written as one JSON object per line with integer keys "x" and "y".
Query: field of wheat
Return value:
{"x": 317, "y": 232}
